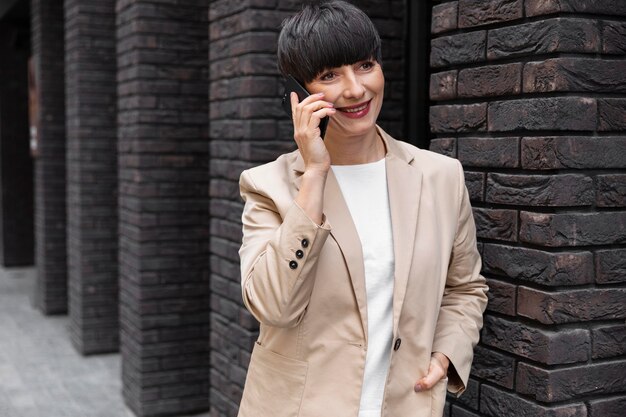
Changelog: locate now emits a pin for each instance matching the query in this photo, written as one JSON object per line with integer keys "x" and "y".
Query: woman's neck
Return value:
{"x": 355, "y": 150}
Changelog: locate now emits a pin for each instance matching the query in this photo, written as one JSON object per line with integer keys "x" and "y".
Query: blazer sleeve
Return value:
{"x": 278, "y": 257}
{"x": 464, "y": 298}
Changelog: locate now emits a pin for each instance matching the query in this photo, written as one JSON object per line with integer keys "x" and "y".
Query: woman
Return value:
{"x": 359, "y": 252}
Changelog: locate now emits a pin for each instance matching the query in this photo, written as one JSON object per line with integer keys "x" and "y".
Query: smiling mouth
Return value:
{"x": 357, "y": 109}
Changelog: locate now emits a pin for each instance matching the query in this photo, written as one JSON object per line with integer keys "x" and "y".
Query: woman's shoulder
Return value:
{"x": 272, "y": 173}
{"x": 429, "y": 161}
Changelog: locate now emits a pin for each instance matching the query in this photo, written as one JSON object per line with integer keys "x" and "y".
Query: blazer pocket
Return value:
{"x": 274, "y": 385}
{"x": 438, "y": 397}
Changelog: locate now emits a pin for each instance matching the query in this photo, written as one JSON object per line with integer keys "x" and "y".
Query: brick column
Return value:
{"x": 50, "y": 216}
{"x": 531, "y": 97}
{"x": 163, "y": 205}
{"x": 90, "y": 84}
{"x": 16, "y": 204}
{"x": 248, "y": 127}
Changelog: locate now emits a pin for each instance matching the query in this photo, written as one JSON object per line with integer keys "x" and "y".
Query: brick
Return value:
{"x": 444, "y": 17}
{"x": 92, "y": 203}
{"x": 608, "y": 341}
{"x": 493, "y": 366}
{"x": 495, "y": 402}
{"x": 551, "y": 385}
{"x": 490, "y": 81}
{"x": 611, "y": 114}
{"x": 245, "y": 21}
{"x": 570, "y": 306}
{"x": 544, "y": 268}
{"x": 458, "y": 118}
{"x": 444, "y": 146}
{"x": 475, "y": 183}
{"x": 461, "y": 412}
{"x": 443, "y": 85}
{"x": 496, "y": 224}
{"x": 610, "y": 266}
{"x": 244, "y": 43}
{"x": 223, "y": 8}
{"x": 574, "y": 152}
{"x": 545, "y": 36}
{"x": 463, "y": 48}
{"x": 603, "y": 407}
{"x": 163, "y": 195}
{"x": 49, "y": 167}
{"x": 489, "y": 152}
{"x": 542, "y": 7}
{"x": 535, "y": 343}
{"x": 557, "y": 113}
{"x": 540, "y": 190}
{"x": 575, "y": 74}
{"x": 502, "y": 297}
{"x": 613, "y": 37}
{"x": 477, "y": 12}
{"x": 573, "y": 229}
{"x": 611, "y": 190}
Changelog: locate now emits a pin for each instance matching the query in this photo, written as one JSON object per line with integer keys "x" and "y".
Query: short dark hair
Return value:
{"x": 326, "y": 34}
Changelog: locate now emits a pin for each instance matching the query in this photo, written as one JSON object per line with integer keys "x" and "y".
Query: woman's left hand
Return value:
{"x": 437, "y": 370}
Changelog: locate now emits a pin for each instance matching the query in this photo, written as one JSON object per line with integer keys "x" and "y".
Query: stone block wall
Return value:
{"x": 163, "y": 204}
{"x": 248, "y": 127}
{"x": 91, "y": 111}
{"x": 530, "y": 96}
{"x": 47, "y": 39}
{"x": 16, "y": 165}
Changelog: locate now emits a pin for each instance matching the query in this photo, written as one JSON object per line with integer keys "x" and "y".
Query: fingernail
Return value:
{"x": 320, "y": 94}
{"x": 418, "y": 388}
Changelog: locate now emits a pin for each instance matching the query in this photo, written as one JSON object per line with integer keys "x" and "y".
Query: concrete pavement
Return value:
{"x": 41, "y": 375}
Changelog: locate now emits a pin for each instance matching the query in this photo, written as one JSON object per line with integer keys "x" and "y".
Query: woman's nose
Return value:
{"x": 353, "y": 87}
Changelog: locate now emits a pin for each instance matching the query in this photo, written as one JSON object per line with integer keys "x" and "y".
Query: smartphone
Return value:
{"x": 292, "y": 85}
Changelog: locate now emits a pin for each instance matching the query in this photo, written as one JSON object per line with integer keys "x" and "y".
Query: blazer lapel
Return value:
{"x": 344, "y": 232}
{"x": 404, "y": 183}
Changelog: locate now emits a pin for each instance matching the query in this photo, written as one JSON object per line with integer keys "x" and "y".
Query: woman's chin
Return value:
{"x": 350, "y": 127}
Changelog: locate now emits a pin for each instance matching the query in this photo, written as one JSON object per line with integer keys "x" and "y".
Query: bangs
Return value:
{"x": 327, "y": 36}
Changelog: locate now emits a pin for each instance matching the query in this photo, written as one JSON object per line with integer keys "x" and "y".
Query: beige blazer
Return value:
{"x": 305, "y": 284}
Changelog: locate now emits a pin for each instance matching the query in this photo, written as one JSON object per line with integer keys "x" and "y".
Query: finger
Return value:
{"x": 306, "y": 110}
{"x": 317, "y": 116}
{"x": 293, "y": 97}
{"x": 312, "y": 98}
{"x": 435, "y": 374}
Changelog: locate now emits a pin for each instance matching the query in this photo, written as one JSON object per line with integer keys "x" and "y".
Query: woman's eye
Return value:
{"x": 327, "y": 77}
{"x": 367, "y": 65}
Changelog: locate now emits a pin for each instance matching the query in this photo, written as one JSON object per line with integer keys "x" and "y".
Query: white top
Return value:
{"x": 364, "y": 187}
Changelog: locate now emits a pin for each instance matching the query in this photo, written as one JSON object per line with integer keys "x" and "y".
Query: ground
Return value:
{"x": 41, "y": 374}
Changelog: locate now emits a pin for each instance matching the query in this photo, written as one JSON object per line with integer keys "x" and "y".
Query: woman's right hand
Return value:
{"x": 307, "y": 116}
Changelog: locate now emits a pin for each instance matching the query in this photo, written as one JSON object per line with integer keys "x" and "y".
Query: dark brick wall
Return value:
{"x": 248, "y": 127}
{"x": 530, "y": 96}
{"x": 90, "y": 85}
{"x": 163, "y": 205}
{"x": 47, "y": 38}
{"x": 16, "y": 199}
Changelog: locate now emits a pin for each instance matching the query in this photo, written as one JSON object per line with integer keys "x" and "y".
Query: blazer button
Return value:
{"x": 299, "y": 254}
{"x": 293, "y": 264}
{"x": 305, "y": 243}
{"x": 396, "y": 345}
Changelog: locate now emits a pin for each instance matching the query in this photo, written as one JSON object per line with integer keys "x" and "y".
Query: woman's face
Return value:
{"x": 356, "y": 91}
